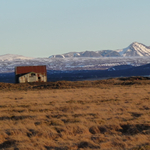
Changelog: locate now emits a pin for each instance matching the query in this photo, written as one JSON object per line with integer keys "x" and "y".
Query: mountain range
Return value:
{"x": 131, "y": 61}
{"x": 134, "y": 49}
{"x": 136, "y": 54}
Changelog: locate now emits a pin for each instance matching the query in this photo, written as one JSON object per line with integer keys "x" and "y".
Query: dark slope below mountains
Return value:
{"x": 118, "y": 71}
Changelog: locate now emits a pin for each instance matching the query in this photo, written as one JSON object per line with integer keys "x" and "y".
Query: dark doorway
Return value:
{"x": 39, "y": 79}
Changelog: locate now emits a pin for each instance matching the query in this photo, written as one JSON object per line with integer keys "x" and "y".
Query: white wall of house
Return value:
{"x": 32, "y": 77}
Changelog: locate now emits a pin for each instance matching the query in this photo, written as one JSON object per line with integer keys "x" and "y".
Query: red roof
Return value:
{"x": 27, "y": 69}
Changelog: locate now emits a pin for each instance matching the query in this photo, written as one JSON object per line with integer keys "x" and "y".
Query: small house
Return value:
{"x": 31, "y": 74}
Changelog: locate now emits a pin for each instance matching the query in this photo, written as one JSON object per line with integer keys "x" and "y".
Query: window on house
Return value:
{"x": 32, "y": 74}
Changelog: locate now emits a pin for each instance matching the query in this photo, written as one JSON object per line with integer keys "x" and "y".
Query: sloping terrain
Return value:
{"x": 137, "y": 80}
{"x": 136, "y": 54}
{"x": 81, "y": 75}
{"x": 107, "y": 114}
{"x": 134, "y": 49}
{"x": 73, "y": 63}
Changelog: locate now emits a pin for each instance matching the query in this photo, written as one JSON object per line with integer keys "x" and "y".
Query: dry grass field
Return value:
{"x": 109, "y": 115}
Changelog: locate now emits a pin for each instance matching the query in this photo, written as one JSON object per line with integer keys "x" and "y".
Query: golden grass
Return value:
{"x": 105, "y": 116}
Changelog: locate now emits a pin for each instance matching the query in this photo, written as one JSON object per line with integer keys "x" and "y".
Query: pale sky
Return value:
{"x": 41, "y": 28}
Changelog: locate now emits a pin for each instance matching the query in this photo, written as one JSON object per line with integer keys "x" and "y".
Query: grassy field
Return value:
{"x": 109, "y": 115}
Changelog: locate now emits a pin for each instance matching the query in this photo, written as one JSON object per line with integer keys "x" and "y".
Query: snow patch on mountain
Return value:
{"x": 135, "y": 49}
{"x": 11, "y": 57}
{"x": 75, "y": 63}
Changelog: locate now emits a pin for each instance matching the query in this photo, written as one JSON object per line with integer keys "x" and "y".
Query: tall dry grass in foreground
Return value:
{"x": 108, "y": 117}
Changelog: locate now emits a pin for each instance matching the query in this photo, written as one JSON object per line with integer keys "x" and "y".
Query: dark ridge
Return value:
{"x": 77, "y": 75}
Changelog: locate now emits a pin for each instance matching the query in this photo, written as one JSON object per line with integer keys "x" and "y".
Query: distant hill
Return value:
{"x": 134, "y": 49}
{"x": 136, "y": 54}
{"x": 11, "y": 57}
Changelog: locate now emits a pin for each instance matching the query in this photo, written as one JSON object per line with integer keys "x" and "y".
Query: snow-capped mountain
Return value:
{"x": 134, "y": 49}
{"x": 11, "y": 57}
{"x": 88, "y": 60}
{"x": 103, "y": 53}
